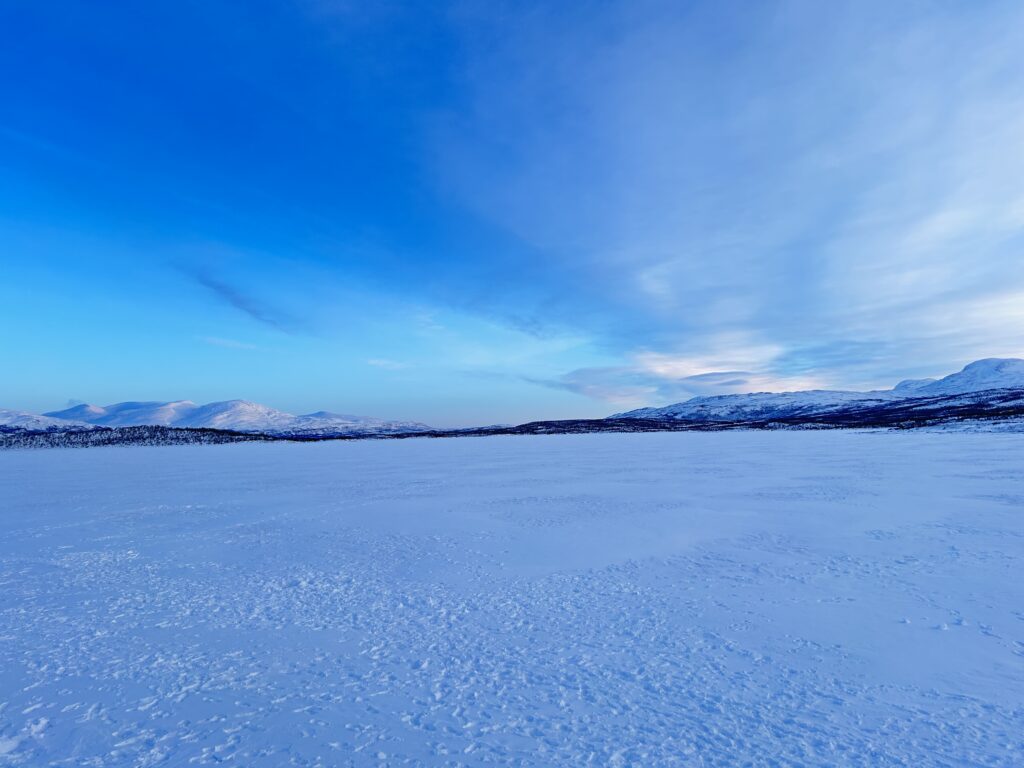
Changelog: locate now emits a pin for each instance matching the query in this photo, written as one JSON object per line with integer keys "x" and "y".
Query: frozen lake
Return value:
{"x": 789, "y": 598}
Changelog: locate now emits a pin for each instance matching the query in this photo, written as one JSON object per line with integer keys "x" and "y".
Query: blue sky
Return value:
{"x": 472, "y": 213}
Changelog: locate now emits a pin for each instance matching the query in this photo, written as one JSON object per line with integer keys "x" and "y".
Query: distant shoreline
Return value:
{"x": 906, "y": 415}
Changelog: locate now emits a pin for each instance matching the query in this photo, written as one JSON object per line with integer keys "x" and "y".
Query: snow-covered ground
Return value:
{"x": 763, "y": 598}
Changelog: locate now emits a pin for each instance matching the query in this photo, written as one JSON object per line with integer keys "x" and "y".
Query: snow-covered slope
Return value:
{"x": 907, "y": 386}
{"x": 130, "y": 414}
{"x": 761, "y": 405}
{"x": 238, "y": 415}
{"x": 325, "y": 422}
{"x": 34, "y": 422}
{"x": 981, "y": 376}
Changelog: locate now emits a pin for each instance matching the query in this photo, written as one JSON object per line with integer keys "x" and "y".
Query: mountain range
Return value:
{"x": 989, "y": 375}
{"x": 34, "y": 422}
{"x": 985, "y": 391}
{"x": 233, "y": 415}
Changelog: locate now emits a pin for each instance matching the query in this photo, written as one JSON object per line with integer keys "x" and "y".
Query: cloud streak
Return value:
{"x": 216, "y": 341}
{"x": 654, "y": 378}
{"x": 235, "y": 296}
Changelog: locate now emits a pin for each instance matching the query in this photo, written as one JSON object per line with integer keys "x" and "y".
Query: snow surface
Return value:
{"x": 238, "y": 415}
{"x": 715, "y": 599}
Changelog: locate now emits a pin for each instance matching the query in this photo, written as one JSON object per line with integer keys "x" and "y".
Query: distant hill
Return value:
{"x": 31, "y": 421}
{"x": 987, "y": 394}
{"x": 236, "y": 415}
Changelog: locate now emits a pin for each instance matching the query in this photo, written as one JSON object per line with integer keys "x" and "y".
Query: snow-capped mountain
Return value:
{"x": 986, "y": 392}
{"x": 36, "y": 423}
{"x": 759, "y": 405}
{"x": 989, "y": 375}
{"x": 130, "y": 414}
{"x": 981, "y": 375}
{"x": 325, "y": 422}
{"x": 236, "y": 415}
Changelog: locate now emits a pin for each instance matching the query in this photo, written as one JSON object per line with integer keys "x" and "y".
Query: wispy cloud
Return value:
{"x": 634, "y": 386}
{"x": 216, "y": 341}
{"x": 426, "y": 322}
{"x": 830, "y": 180}
{"x": 726, "y": 195}
{"x": 720, "y": 364}
{"x": 236, "y": 296}
{"x": 659, "y": 378}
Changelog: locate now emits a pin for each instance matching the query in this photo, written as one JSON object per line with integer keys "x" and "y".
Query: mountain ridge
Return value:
{"x": 33, "y": 421}
{"x": 986, "y": 392}
{"x": 233, "y": 415}
{"x": 988, "y": 374}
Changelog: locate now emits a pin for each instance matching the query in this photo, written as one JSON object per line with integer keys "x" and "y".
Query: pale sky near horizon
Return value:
{"x": 470, "y": 212}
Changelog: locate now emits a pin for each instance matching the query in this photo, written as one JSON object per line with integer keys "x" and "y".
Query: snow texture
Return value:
{"x": 706, "y": 599}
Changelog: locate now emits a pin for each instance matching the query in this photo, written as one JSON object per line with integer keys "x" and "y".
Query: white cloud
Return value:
{"x": 726, "y": 363}
{"x": 838, "y": 182}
